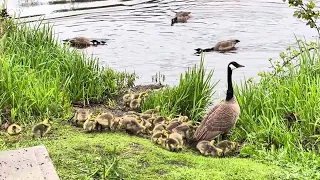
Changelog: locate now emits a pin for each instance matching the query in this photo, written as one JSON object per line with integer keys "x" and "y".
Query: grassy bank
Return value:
{"x": 280, "y": 114}
{"x": 78, "y": 155}
{"x": 41, "y": 77}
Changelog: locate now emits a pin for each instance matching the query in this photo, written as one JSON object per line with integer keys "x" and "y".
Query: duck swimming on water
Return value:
{"x": 221, "y": 46}
{"x": 83, "y": 42}
{"x": 181, "y": 17}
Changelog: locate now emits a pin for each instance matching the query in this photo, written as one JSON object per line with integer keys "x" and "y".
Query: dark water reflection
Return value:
{"x": 140, "y": 38}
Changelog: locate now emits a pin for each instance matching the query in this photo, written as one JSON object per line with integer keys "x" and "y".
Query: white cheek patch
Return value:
{"x": 232, "y": 67}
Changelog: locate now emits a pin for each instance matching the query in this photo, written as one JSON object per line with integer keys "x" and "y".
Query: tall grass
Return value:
{"x": 41, "y": 76}
{"x": 190, "y": 97}
{"x": 265, "y": 105}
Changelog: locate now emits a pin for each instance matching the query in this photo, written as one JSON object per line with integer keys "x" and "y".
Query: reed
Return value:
{"x": 40, "y": 76}
{"x": 191, "y": 97}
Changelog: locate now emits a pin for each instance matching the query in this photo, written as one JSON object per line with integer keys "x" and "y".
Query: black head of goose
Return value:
{"x": 221, "y": 117}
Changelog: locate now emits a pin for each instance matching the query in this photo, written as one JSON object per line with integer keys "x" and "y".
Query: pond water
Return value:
{"x": 140, "y": 38}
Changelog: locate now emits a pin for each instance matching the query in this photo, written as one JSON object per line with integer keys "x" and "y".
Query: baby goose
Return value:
{"x": 135, "y": 103}
{"x": 174, "y": 142}
{"x": 105, "y": 120}
{"x": 42, "y": 128}
{"x": 226, "y": 146}
{"x": 159, "y": 134}
{"x": 89, "y": 125}
{"x": 14, "y": 129}
{"x": 152, "y": 111}
{"x": 173, "y": 124}
{"x": 159, "y": 120}
{"x": 82, "y": 115}
{"x": 183, "y": 128}
{"x": 116, "y": 123}
{"x": 126, "y": 99}
{"x": 131, "y": 125}
{"x": 159, "y": 127}
{"x": 208, "y": 149}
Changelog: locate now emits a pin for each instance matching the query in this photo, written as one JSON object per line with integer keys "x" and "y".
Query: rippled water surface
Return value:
{"x": 140, "y": 38}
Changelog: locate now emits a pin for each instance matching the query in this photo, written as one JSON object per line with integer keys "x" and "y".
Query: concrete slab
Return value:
{"x": 31, "y": 163}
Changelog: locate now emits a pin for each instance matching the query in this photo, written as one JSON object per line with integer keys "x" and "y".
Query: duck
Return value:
{"x": 223, "y": 116}
{"x": 83, "y": 42}
{"x": 222, "y": 46}
{"x": 181, "y": 17}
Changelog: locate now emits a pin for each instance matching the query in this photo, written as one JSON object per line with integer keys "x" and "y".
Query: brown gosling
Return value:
{"x": 105, "y": 120}
{"x": 159, "y": 134}
{"x": 159, "y": 127}
{"x": 159, "y": 120}
{"x": 82, "y": 115}
{"x": 14, "y": 129}
{"x": 183, "y": 118}
{"x": 208, "y": 149}
{"x": 162, "y": 142}
{"x": 89, "y": 125}
{"x": 221, "y": 117}
{"x": 116, "y": 123}
{"x": 173, "y": 124}
{"x": 131, "y": 125}
{"x": 152, "y": 111}
{"x": 42, "y": 128}
{"x": 126, "y": 99}
{"x": 183, "y": 128}
{"x": 135, "y": 104}
{"x": 226, "y": 146}
{"x": 174, "y": 142}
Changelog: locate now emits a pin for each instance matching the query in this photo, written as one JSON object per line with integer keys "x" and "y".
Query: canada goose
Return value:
{"x": 42, "y": 128}
{"x": 83, "y": 42}
{"x": 208, "y": 149}
{"x": 221, "y": 46}
{"x": 14, "y": 129}
{"x": 181, "y": 17}
{"x": 223, "y": 116}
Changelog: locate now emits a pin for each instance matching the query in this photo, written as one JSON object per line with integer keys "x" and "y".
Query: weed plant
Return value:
{"x": 40, "y": 76}
{"x": 190, "y": 97}
{"x": 280, "y": 114}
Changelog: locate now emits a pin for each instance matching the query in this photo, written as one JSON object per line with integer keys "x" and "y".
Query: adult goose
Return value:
{"x": 83, "y": 42}
{"x": 222, "y": 117}
{"x": 221, "y": 46}
{"x": 181, "y": 17}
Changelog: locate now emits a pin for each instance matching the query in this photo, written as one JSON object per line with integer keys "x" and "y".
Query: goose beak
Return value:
{"x": 241, "y": 66}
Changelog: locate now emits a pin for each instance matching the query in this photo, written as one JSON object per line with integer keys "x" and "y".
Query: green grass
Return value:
{"x": 190, "y": 97}
{"x": 262, "y": 123}
{"x": 77, "y": 155}
{"x": 41, "y": 77}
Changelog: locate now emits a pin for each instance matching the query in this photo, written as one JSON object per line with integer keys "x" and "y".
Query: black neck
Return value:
{"x": 230, "y": 88}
